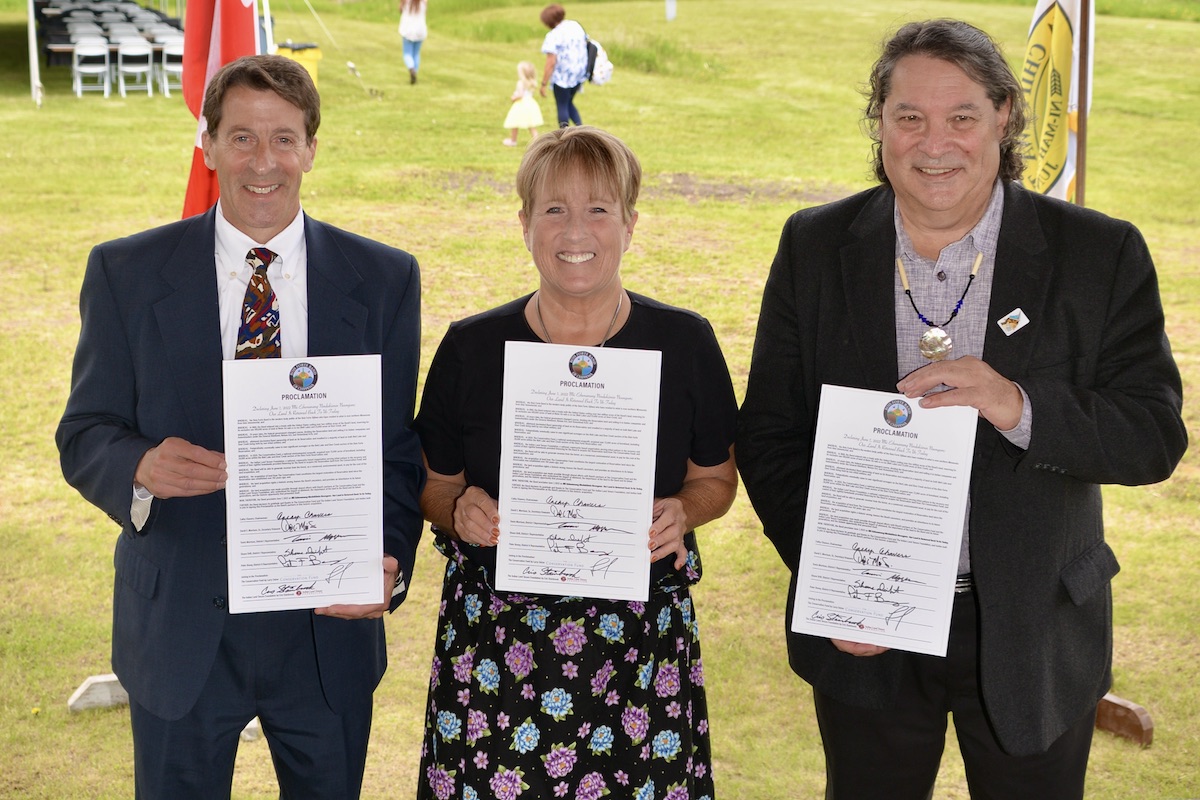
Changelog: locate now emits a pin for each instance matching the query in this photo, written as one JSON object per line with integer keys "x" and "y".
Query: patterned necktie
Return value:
{"x": 258, "y": 336}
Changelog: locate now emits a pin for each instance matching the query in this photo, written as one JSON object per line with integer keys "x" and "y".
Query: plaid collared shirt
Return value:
{"x": 936, "y": 287}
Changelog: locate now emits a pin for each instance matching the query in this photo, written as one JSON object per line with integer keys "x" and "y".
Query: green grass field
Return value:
{"x": 741, "y": 112}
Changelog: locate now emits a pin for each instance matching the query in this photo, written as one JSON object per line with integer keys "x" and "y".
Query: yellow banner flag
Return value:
{"x": 1050, "y": 80}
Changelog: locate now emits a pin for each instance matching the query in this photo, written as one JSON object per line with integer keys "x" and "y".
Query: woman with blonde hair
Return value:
{"x": 540, "y": 695}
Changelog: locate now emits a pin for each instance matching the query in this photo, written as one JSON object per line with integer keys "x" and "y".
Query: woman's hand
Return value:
{"x": 465, "y": 512}
{"x": 476, "y": 517}
{"x": 668, "y": 526}
{"x": 706, "y": 494}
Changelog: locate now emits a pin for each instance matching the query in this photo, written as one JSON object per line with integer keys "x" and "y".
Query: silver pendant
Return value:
{"x": 935, "y": 344}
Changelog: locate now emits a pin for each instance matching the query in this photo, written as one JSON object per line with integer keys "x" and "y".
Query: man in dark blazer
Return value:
{"x": 1058, "y": 341}
{"x": 142, "y": 439}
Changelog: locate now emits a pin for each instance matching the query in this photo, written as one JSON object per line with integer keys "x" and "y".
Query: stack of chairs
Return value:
{"x": 112, "y": 42}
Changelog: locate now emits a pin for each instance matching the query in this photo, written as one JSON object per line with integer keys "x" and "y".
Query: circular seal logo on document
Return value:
{"x": 897, "y": 413}
{"x": 303, "y": 376}
{"x": 583, "y": 365}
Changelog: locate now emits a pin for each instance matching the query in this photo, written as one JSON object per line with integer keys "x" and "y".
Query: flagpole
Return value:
{"x": 35, "y": 74}
{"x": 1085, "y": 36}
{"x": 268, "y": 26}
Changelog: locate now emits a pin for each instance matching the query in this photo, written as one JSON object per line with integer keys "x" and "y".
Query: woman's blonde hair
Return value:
{"x": 602, "y": 158}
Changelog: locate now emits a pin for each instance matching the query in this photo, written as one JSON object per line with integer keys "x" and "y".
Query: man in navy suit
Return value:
{"x": 141, "y": 438}
{"x": 1058, "y": 341}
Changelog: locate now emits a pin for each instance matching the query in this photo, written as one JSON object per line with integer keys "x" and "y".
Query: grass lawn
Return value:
{"x": 741, "y": 113}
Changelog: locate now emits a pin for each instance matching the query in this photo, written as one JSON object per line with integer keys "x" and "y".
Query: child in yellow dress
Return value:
{"x": 525, "y": 111}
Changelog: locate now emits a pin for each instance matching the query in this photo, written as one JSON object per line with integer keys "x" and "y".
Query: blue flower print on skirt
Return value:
{"x": 534, "y": 697}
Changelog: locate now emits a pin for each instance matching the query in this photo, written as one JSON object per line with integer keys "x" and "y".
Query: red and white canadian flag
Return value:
{"x": 215, "y": 32}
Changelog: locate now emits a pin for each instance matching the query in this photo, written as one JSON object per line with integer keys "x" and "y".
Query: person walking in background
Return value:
{"x": 141, "y": 438}
{"x": 524, "y": 111}
{"x": 1081, "y": 391}
{"x": 565, "y": 47}
{"x": 413, "y": 31}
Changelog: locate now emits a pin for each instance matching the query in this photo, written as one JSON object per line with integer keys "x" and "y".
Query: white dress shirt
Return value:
{"x": 288, "y": 275}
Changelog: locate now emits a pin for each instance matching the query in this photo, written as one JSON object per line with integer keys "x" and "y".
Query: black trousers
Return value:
{"x": 266, "y": 666}
{"x": 894, "y": 753}
{"x": 564, "y": 99}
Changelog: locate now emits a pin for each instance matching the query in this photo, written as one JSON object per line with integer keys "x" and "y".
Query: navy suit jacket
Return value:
{"x": 1106, "y": 398}
{"x": 148, "y": 366}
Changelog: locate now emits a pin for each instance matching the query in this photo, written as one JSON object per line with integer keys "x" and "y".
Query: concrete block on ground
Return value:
{"x": 98, "y": 691}
{"x": 105, "y": 691}
{"x": 253, "y": 731}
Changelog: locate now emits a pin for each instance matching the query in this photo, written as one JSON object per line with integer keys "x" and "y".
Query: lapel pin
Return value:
{"x": 1013, "y": 321}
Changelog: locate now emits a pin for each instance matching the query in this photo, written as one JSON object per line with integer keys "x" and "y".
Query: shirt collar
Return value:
{"x": 983, "y": 237}
{"x": 232, "y": 245}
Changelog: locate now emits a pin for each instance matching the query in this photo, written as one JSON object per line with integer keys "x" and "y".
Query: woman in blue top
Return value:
{"x": 565, "y": 47}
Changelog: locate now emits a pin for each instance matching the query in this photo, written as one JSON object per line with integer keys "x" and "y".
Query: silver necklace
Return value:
{"x": 935, "y": 343}
{"x": 537, "y": 305}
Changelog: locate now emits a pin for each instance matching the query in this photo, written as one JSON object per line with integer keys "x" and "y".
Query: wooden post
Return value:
{"x": 1125, "y": 718}
{"x": 1085, "y": 55}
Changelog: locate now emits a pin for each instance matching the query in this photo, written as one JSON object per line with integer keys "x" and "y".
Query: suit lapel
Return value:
{"x": 336, "y": 320}
{"x": 868, "y": 280}
{"x": 1020, "y": 280}
{"x": 189, "y": 319}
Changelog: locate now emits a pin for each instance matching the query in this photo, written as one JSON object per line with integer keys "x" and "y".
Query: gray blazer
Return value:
{"x": 148, "y": 366}
{"x": 1106, "y": 398}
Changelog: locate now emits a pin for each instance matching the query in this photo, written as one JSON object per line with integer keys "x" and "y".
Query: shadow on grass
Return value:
{"x": 14, "y": 64}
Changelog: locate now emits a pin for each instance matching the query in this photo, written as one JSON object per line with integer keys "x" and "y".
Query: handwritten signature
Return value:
{"x": 553, "y": 572}
{"x": 338, "y": 572}
{"x": 578, "y": 502}
{"x": 603, "y": 565}
{"x": 837, "y": 618}
{"x": 868, "y": 556}
{"x": 896, "y": 617}
{"x": 293, "y": 523}
{"x": 311, "y": 557}
{"x": 574, "y": 543}
{"x": 288, "y": 588}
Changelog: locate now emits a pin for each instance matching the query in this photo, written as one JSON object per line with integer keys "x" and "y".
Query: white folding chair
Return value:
{"x": 170, "y": 68}
{"x": 90, "y": 68}
{"x": 79, "y": 30}
{"x": 123, "y": 30}
{"x": 162, "y": 33}
{"x": 135, "y": 59}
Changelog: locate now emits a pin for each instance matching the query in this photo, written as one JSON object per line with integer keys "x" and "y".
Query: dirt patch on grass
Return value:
{"x": 673, "y": 185}
{"x": 693, "y": 189}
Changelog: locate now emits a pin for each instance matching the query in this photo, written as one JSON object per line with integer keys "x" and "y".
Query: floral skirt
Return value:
{"x": 539, "y": 697}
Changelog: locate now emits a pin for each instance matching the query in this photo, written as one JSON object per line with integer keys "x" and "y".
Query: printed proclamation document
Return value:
{"x": 884, "y": 520}
{"x": 304, "y": 500}
{"x": 579, "y": 445}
